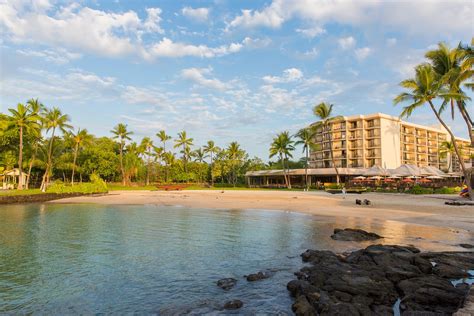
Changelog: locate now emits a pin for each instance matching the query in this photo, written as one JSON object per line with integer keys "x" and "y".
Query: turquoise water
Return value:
{"x": 63, "y": 259}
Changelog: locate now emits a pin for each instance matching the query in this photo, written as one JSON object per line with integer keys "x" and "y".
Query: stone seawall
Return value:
{"x": 38, "y": 198}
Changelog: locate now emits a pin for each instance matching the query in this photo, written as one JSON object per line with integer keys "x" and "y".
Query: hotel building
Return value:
{"x": 362, "y": 141}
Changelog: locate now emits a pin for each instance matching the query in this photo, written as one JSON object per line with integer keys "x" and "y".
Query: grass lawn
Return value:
{"x": 22, "y": 192}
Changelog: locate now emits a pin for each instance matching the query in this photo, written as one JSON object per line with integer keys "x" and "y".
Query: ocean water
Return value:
{"x": 90, "y": 259}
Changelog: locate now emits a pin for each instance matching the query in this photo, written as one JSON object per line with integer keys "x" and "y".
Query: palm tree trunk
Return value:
{"x": 466, "y": 174}
{"x": 74, "y": 163}
{"x": 45, "y": 180}
{"x": 284, "y": 170}
{"x": 20, "y": 161}
{"x": 212, "y": 176}
{"x": 35, "y": 150}
{"x": 121, "y": 163}
{"x": 306, "y": 171}
{"x": 333, "y": 162}
{"x": 467, "y": 119}
{"x": 288, "y": 171}
{"x": 148, "y": 169}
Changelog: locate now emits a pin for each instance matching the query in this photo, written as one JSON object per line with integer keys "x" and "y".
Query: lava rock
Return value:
{"x": 349, "y": 234}
{"x": 369, "y": 281}
{"x": 257, "y": 276}
{"x": 234, "y": 304}
{"x": 467, "y": 246}
{"x": 227, "y": 283}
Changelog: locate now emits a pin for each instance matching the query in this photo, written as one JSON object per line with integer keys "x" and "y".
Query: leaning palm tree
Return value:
{"x": 323, "y": 111}
{"x": 24, "y": 121}
{"x": 234, "y": 153}
{"x": 163, "y": 138}
{"x": 454, "y": 67}
{"x": 79, "y": 139}
{"x": 120, "y": 132}
{"x": 54, "y": 119}
{"x": 211, "y": 149}
{"x": 447, "y": 150}
{"x": 184, "y": 142}
{"x": 147, "y": 146}
{"x": 424, "y": 89}
{"x": 305, "y": 138}
{"x": 35, "y": 107}
{"x": 282, "y": 146}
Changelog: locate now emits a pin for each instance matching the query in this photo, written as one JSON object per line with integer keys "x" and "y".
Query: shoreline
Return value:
{"x": 428, "y": 210}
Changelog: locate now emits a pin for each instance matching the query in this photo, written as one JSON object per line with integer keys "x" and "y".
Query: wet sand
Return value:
{"x": 427, "y": 210}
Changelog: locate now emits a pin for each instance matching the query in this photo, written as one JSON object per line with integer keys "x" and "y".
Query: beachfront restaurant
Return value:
{"x": 10, "y": 179}
{"x": 405, "y": 174}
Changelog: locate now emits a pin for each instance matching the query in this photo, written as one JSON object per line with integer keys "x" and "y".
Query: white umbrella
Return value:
{"x": 395, "y": 176}
{"x": 376, "y": 177}
{"x": 413, "y": 177}
{"x": 360, "y": 178}
{"x": 434, "y": 177}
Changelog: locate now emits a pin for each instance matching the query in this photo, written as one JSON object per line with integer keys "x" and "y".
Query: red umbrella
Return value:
{"x": 388, "y": 180}
{"x": 407, "y": 180}
{"x": 424, "y": 180}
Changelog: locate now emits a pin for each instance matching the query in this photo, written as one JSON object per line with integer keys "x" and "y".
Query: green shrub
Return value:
{"x": 446, "y": 190}
{"x": 417, "y": 189}
{"x": 332, "y": 186}
{"x": 97, "y": 185}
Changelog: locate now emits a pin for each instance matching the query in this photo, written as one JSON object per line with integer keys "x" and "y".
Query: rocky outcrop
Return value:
{"x": 369, "y": 282}
{"x": 234, "y": 304}
{"x": 227, "y": 283}
{"x": 349, "y": 234}
{"x": 258, "y": 276}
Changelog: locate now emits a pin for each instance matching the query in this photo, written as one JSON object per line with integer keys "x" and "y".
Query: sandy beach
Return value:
{"x": 427, "y": 210}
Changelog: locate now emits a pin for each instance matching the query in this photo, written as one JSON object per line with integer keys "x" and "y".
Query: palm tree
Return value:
{"x": 234, "y": 153}
{"x": 53, "y": 119}
{"x": 282, "y": 146}
{"x": 447, "y": 150}
{"x": 158, "y": 155}
{"x": 169, "y": 159}
{"x": 199, "y": 156}
{"x": 323, "y": 112}
{"x": 120, "y": 132}
{"x": 212, "y": 150}
{"x": 453, "y": 66}
{"x": 424, "y": 88}
{"x": 80, "y": 139}
{"x": 25, "y": 121}
{"x": 305, "y": 137}
{"x": 147, "y": 146}
{"x": 36, "y": 107}
{"x": 163, "y": 138}
{"x": 185, "y": 142}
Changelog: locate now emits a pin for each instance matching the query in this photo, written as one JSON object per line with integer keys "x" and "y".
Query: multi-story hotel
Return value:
{"x": 362, "y": 141}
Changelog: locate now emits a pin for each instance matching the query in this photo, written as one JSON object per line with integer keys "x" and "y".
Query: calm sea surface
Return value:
{"x": 69, "y": 259}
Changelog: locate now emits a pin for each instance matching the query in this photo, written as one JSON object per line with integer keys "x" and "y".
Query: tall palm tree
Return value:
{"x": 447, "y": 150}
{"x": 25, "y": 121}
{"x": 199, "y": 156}
{"x": 454, "y": 67}
{"x": 163, "y": 138}
{"x": 54, "y": 119}
{"x": 424, "y": 89}
{"x": 211, "y": 149}
{"x": 184, "y": 142}
{"x": 169, "y": 159}
{"x": 305, "y": 138}
{"x": 120, "y": 132}
{"x": 323, "y": 112}
{"x": 36, "y": 107}
{"x": 158, "y": 155}
{"x": 282, "y": 146}
{"x": 147, "y": 146}
{"x": 235, "y": 154}
{"x": 80, "y": 138}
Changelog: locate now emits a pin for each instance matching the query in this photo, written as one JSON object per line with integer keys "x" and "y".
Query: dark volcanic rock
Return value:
{"x": 234, "y": 304}
{"x": 467, "y": 246}
{"x": 349, "y": 234}
{"x": 258, "y": 276}
{"x": 227, "y": 283}
{"x": 369, "y": 281}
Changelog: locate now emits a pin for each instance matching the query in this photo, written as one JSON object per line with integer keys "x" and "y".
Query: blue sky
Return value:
{"x": 221, "y": 70}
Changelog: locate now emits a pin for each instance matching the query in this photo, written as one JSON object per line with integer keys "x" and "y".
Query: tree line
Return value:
{"x": 44, "y": 146}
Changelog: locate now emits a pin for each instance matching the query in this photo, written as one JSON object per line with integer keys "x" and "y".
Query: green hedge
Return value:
{"x": 97, "y": 185}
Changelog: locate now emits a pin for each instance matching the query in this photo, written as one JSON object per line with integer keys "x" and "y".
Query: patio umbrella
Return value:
{"x": 434, "y": 177}
{"x": 388, "y": 180}
{"x": 407, "y": 180}
{"x": 394, "y": 177}
{"x": 424, "y": 180}
{"x": 359, "y": 178}
{"x": 376, "y": 177}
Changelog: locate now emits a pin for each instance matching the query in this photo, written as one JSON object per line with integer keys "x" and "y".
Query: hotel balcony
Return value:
{"x": 372, "y": 124}
{"x": 373, "y": 134}
{"x": 373, "y": 144}
{"x": 355, "y": 125}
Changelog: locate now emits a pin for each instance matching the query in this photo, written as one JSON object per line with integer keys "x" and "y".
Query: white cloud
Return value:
{"x": 391, "y": 41}
{"x": 256, "y": 42}
{"x": 198, "y": 14}
{"x": 312, "y": 32}
{"x": 197, "y": 75}
{"x": 362, "y": 53}
{"x": 59, "y": 56}
{"x": 395, "y": 15}
{"x": 289, "y": 75}
{"x": 152, "y": 23}
{"x": 167, "y": 48}
{"x": 347, "y": 42}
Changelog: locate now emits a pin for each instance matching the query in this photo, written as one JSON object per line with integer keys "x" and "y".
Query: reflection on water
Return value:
{"x": 123, "y": 259}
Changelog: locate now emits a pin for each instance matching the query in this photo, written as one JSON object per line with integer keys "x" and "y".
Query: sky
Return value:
{"x": 222, "y": 70}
